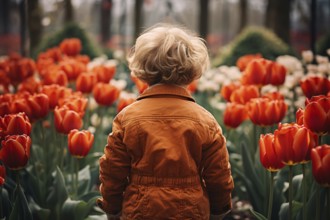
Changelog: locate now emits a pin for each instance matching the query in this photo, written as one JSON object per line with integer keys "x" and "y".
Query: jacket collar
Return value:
{"x": 166, "y": 90}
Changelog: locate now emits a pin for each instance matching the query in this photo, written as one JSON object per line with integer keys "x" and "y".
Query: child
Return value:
{"x": 166, "y": 157}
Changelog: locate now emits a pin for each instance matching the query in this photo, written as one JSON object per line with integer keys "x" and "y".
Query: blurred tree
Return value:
{"x": 203, "y": 18}
{"x": 4, "y": 12}
{"x": 106, "y": 7}
{"x": 34, "y": 22}
{"x": 68, "y": 11}
{"x": 278, "y": 18}
{"x": 243, "y": 14}
{"x": 137, "y": 17}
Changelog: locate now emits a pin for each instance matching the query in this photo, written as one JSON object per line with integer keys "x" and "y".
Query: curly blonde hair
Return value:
{"x": 168, "y": 54}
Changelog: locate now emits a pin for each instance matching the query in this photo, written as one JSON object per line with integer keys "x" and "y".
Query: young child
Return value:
{"x": 166, "y": 157}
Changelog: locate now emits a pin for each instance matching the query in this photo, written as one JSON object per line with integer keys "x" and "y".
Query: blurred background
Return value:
{"x": 26, "y": 25}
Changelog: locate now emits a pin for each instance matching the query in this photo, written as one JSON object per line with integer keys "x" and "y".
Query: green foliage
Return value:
{"x": 252, "y": 40}
{"x": 323, "y": 44}
{"x": 70, "y": 30}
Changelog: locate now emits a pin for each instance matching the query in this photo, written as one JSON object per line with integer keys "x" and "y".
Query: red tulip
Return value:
{"x": 315, "y": 85}
{"x": 14, "y": 124}
{"x": 104, "y": 73}
{"x": 234, "y": 115}
{"x": 55, "y": 76}
{"x": 244, "y": 60}
{"x": 228, "y": 89}
{"x": 71, "y": 46}
{"x": 265, "y": 112}
{"x": 273, "y": 96}
{"x": 15, "y": 151}
{"x": 77, "y": 104}
{"x": 268, "y": 157}
{"x": 55, "y": 93}
{"x": 66, "y": 120}
{"x": 255, "y": 72}
{"x": 105, "y": 94}
{"x": 123, "y": 102}
{"x": 85, "y": 82}
{"x": 39, "y": 105}
{"x": 72, "y": 68}
{"x": 140, "y": 85}
{"x": 321, "y": 164}
{"x": 293, "y": 143}
{"x": 275, "y": 74}
{"x": 244, "y": 94}
{"x": 80, "y": 142}
{"x": 5, "y": 103}
{"x": 300, "y": 116}
{"x": 31, "y": 85}
{"x": 192, "y": 87}
{"x": 2, "y": 175}
{"x": 317, "y": 114}
{"x": 21, "y": 105}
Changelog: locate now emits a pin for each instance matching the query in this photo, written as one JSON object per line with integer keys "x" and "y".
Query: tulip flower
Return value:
{"x": 85, "y": 82}
{"x": 234, "y": 115}
{"x": 14, "y": 124}
{"x": 80, "y": 142}
{"x": 255, "y": 72}
{"x": 72, "y": 68}
{"x": 105, "y": 94}
{"x": 315, "y": 85}
{"x": 316, "y": 114}
{"x": 228, "y": 89}
{"x": 265, "y": 112}
{"x": 275, "y": 74}
{"x": 55, "y": 93}
{"x": 39, "y": 105}
{"x": 124, "y": 101}
{"x": 243, "y": 61}
{"x": 104, "y": 73}
{"x": 71, "y": 46}
{"x": 192, "y": 87}
{"x": 244, "y": 94}
{"x": 300, "y": 116}
{"x": 5, "y": 103}
{"x": 21, "y": 69}
{"x": 77, "y": 104}
{"x": 140, "y": 85}
{"x": 2, "y": 175}
{"x": 31, "y": 85}
{"x": 268, "y": 156}
{"x": 321, "y": 164}
{"x": 15, "y": 151}
{"x": 66, "y": 120}
{"x": 293, "y": 143}
{"x": 55, "y": 76}
{"x": 273, "y": 96}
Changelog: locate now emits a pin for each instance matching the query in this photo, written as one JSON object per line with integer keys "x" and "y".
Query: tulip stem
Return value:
{"x": 328, "y": 202}
{"x": 318, "y": 207}
{"x": 290, "y": 192}
{"x": 304, "y": 191}
{"x": 76, "y": 170}
{"x": 1, "y": 210}
{"x": 271, "y": 195}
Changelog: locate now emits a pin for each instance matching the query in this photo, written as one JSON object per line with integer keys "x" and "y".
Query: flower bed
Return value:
{"x": 56, "y": 112}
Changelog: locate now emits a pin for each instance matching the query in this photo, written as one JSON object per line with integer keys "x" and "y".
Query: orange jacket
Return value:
{"x": 166, "y": 158}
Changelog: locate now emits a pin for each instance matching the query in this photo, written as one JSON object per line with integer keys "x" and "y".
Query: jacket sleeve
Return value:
{"x": 216, "y": 173}
{"x": 114, "y": 170}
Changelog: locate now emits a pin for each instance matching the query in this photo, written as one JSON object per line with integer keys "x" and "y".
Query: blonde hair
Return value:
{"x": 168, "y": 54}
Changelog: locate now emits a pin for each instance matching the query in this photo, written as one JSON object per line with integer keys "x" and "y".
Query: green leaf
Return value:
{"x": 77, "y": 209}
{"x": 59, "y": 192}
{"x": 84, "y": 177}
{"x": 21, "y": 210}
{"x": 284, "y": 211}
{"x": 43, "y": 214}
{"x": 258, "y": 215}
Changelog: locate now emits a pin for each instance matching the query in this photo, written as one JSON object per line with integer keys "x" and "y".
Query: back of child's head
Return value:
{"x": 168, "y": 54}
